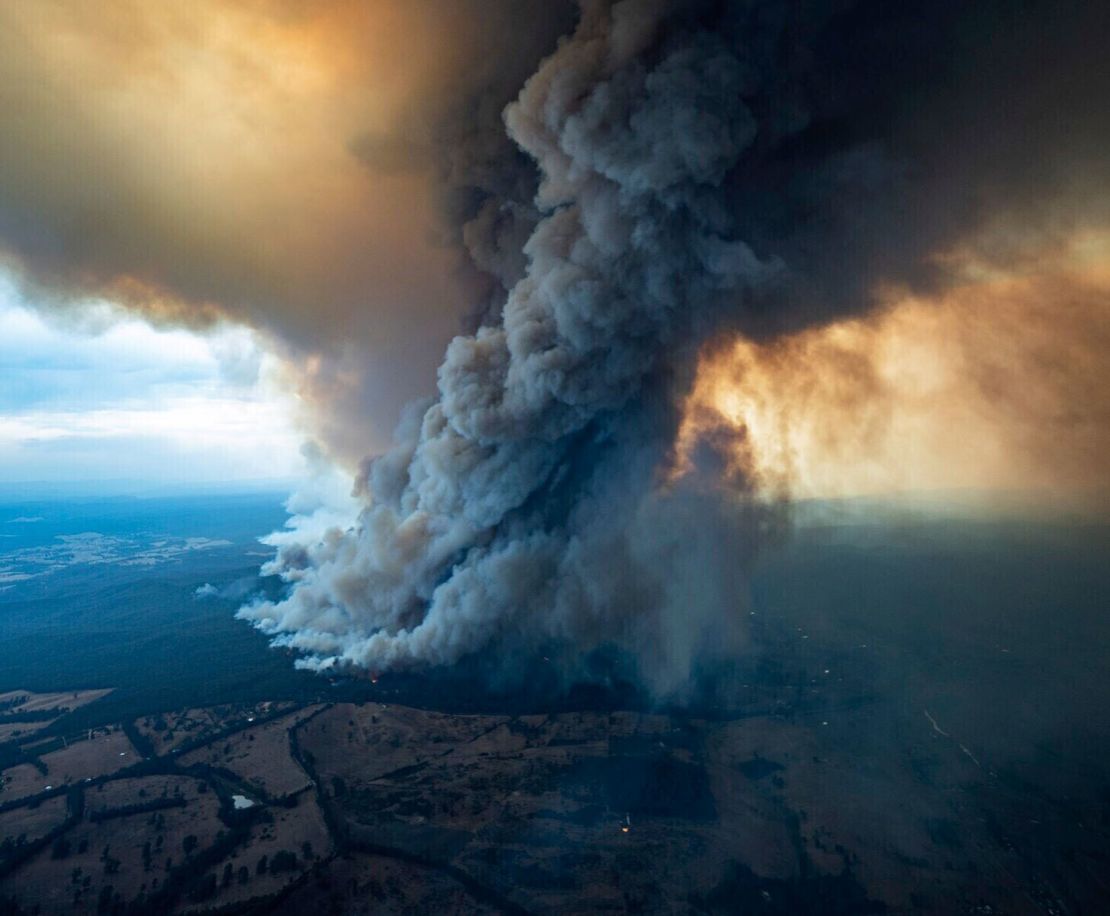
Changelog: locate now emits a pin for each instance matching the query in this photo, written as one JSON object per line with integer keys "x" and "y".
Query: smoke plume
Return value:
{"x": 599, "y": 210}
{"x": 703, "y": 168}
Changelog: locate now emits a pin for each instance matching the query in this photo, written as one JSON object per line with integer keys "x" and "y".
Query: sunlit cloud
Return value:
{"x": 112, "y": 397}
{"x": 998, "y": 383}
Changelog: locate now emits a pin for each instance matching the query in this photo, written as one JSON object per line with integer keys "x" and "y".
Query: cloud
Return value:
{"x": 196, "y": 162}
{"x": 132, "y": 401}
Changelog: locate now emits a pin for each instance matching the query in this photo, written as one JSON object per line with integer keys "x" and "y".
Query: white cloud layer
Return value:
{"x": 110, "y": 398}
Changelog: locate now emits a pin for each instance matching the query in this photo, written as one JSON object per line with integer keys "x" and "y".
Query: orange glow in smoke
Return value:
{"x": 1001, "y": 382}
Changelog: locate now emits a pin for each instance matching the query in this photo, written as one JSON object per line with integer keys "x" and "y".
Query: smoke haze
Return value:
{"x": 998, "y": 384}
{"x": 200, "y": 162}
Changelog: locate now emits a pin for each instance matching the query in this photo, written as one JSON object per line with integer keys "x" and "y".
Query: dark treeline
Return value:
{"x": 15, "y": 855}
{"x": 157, "y": 804}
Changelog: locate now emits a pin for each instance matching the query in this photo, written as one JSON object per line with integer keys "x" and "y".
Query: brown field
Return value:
{"x": 20, "y": 730}
{"x": 173, "y": 729}
{"x": 93, "y": 756}
{"x": 107, "y": 752}
{"x": 24, "y": 701}
{"x": 524, "y": 791}
{"x": 361, "y": 884}
{"x": 20, "y": 781}
{"x": 57, "y": 887}
{"x": 121, "y": 792}
{"x": 32, "y": 823}
{"x": 290, "y": 829}
{"x": 65, "y": 701}
{"x": 531, "y": 809}
{"x": 360, "y": 743}
{"x": 259, "y": 756}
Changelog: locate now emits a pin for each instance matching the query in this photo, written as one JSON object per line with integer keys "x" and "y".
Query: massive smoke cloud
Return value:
{"x": 347, "y": 178}
{"x": 702, "y": 166}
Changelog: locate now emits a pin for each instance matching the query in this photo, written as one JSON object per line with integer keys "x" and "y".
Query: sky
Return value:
{"x": 99, "y": 397}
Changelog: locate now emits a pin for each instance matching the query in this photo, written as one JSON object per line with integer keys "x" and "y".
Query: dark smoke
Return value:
{"x": 702, "y": 167}
{"x": 483, "y": 183}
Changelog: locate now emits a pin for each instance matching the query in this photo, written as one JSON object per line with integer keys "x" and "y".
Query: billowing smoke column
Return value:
{"x": 522, "y": 499}
{"x": 702, "y": 166}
